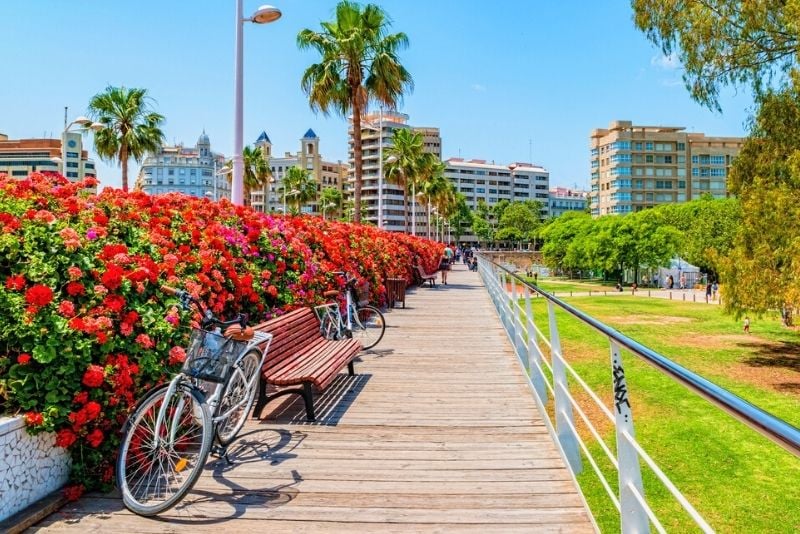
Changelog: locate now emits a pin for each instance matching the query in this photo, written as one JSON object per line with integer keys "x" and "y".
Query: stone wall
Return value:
{"x": 521, "y": 260}
{"x": 30, "y": 466}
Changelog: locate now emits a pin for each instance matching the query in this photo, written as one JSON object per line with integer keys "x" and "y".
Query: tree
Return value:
{"x": 403, "y": 162}
{"x": 725, "y": 42}
{"x": 257, "y": 173}
{"x": 130, "y": 127}
{"x": 461, "y": 217}
{"x": 519, "y": 221}
{"x": 359, "y": 62}
{"x": 762, "y": 271}
{"x": 330, "y": 199}
{"x": 430, "y": 181}
{"x": 298, "y": 188}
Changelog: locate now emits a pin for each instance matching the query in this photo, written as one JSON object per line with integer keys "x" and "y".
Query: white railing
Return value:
{"x": 548, "y": 379}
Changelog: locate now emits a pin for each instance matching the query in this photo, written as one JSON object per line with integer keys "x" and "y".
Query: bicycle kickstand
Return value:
{"x": 222, "y": 452}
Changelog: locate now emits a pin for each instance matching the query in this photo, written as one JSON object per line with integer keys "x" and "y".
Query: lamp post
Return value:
{"x": 263, "y": 15}
{"x": 379, "y": 129}
{"x": 85, "y": 123}
{"x": 217, "y": 173}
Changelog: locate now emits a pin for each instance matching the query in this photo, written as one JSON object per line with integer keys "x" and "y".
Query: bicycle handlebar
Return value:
{"x": 209, "y": 319}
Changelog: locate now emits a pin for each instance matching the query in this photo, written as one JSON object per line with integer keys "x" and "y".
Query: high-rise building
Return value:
{"x": 192, "y": 171}
{"x": 563, "y": 200}
{"x": 638, "y": 167}
{"x": 325, "y": 173}
{"x": 20, "y": 157}
{"x": 377, "y": 129}
{"x": 478, "y": 180}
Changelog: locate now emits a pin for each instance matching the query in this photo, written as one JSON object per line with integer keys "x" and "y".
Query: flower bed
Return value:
{"x": 86, "y": 330}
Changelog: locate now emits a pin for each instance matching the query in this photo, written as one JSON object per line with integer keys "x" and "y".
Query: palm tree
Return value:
{"x": 299, "y": 186}
{"x": 358, "y": 63}
{"x": 431, "y": 184}
{"x": 130, "y": 127}
{"x": 257, "y": 173}
{"x": 330, "y": 199}
{"x": 403, "y": 162}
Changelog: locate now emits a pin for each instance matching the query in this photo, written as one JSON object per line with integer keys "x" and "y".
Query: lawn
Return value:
{"x": 562, "y": 286}
{"x": 738, "y": 480}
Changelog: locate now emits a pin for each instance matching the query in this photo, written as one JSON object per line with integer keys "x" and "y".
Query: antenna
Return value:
{"x": 65, "y": 116}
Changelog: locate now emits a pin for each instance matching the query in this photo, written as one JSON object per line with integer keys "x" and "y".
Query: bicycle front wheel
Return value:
{"x": 237, "y": 397}
{"x": 160, "y": 459}
{"x": 368, "y": 326}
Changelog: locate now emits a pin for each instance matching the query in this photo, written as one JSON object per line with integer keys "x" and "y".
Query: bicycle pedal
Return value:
{"x": 220, "y": 452}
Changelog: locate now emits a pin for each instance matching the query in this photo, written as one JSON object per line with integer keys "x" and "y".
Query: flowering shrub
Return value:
{"x": 85, "y": 329}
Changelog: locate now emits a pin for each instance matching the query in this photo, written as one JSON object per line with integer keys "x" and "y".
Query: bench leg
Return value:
{"x": 262, "y": 397}
{"x": 351, "y": 370}
{"x": 308, "y": 397}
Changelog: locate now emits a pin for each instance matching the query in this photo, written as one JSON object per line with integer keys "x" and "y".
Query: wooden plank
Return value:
{"x": 437, "y": 432}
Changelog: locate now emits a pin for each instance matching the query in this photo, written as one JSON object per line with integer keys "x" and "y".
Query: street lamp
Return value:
{"x": 263, "y": 15}
{"x": 86, "y": 124}
{"x": 368, "y": 126}
{"x": 217, "y": 173}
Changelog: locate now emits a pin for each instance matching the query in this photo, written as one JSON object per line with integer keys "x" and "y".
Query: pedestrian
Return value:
{"x": 444, "y": 262}
{"x": 670, "y": 282}
{"x": 714, "y": 289}
{"x": 645, "y": 281}
{"x": 683, "y": 281}
{"x": 536, "y": 278}
{"x": 634, "y": 287}
{"x": 747, "y": 325}
{"x": 708, "y": 291}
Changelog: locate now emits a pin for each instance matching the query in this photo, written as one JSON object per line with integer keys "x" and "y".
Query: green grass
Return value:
{"x": 563, "y": 286}
{"x": 738, "y": 480}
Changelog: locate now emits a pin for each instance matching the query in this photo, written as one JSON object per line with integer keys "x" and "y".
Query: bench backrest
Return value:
{"x": 422, "y": 273}
{"x": 290, "y": 332}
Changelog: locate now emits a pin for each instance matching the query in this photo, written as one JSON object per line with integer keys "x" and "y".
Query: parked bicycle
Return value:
{"x": 357, "y": 319}
{"x": 167, "y": 439}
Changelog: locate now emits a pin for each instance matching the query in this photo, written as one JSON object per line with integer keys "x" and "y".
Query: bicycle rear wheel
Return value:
{"x": 368, "y": 326}
{"x": 237, "y": 397}
{"x": 160, "y": 461}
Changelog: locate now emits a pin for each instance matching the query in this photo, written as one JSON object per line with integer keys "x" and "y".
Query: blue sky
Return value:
{"x": 497, "y": 78}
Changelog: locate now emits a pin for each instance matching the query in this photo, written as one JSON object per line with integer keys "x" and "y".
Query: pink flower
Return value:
{"x": 66, "y": 308}
{"x": 74, "y": 273}
{"x": 145, "y": 341}
{"x": 176, "y": 355}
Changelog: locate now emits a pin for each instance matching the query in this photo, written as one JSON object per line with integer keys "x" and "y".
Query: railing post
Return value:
{"x": 563, "y": 407}
{"x": 632, "y": 515}
{"x": 534, "y": 364}
{"x": 519, "y": 346}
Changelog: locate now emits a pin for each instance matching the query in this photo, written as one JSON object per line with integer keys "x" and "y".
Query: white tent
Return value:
{"x": 679, "y": 267}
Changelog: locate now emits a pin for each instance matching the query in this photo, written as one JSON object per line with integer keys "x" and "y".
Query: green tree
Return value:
{"x": 330, "y": 200}
{"x": 725, "y": 42}
{"x": 358, "y": 63}
{"x": 257, "y": 174}
{"x": 298, "y": 188}
{"x": 762, "y": 272}
{"x": 461, "y": 219}
{"x": 520, "y": 221}
{"x": 403, "y": 162}
{"x": 131, "y": 129}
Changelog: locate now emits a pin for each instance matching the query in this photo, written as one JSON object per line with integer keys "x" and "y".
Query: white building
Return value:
{"x": 563, "y": 200}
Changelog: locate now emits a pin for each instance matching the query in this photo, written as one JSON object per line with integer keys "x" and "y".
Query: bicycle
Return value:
{"x": 168, "y": 437}
{"x": 359, "y": 319}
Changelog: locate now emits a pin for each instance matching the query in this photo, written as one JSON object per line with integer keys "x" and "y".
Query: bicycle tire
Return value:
{"x": 136, "y": 466}
{"x": 368, "y": 326}
{"x": 237, "y": 388}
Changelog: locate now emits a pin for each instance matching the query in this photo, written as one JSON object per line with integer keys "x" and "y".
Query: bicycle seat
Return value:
{"x": 331, "y": 293}
{"x": 237, "y": 333}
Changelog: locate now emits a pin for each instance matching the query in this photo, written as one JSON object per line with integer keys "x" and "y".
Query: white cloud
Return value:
{"x": 672, "y": 82}
{"x": 669, "y": 62}
{"x": 478, "y": 88}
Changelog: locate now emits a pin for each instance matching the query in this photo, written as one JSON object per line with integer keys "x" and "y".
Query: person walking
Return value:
{"x": 747, "y": 325}
{"x": 714, "y": 289}
{"x": 444, "y": 263}
{"x": 708, "y": 291}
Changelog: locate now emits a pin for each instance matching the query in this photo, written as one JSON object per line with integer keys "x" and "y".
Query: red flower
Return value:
{"x": 15, "y": 282}
{"x": 81, "y": 398}
{"x": 112, "y": 278}
{"x": 75, "y": 288}
{"x": 66, "y": 308}
{"x": 34, "y": 419}
{"x": 95, "y": 438}
{"x": 76, "y": 323}
{"x": 114, "y": 302}
{"x": 24, "y": 359}
{"x": 92, "y": 410}
{"x": 39, "y": 295}
{"x": 94, "y": 376}
{"x": 65, "y": 437}
{"x": 74, "y": 492}
{"x": 177, "y": 355}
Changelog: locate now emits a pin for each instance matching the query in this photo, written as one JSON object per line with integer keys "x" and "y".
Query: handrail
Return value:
{"x": 777, "y": 430}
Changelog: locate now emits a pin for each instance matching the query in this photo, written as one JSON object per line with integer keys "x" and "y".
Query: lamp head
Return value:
{"x": 95, "y": 126}
{"x": 82, "y": 120}
{"x": 266, "y": 14}
{"x": 391, "y": 159}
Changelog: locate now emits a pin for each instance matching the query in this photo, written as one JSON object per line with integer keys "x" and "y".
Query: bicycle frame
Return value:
{"x": 213, "y": 398}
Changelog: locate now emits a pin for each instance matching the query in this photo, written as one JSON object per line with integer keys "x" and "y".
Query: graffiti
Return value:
{"x": 620, "y": 389}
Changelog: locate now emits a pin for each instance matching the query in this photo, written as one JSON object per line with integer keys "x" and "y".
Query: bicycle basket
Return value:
{"x": 210, "y": 355}
{"x": 362, "y": 293}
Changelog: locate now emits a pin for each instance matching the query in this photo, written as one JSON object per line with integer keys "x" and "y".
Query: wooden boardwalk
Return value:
{"x": 438, "y": 431}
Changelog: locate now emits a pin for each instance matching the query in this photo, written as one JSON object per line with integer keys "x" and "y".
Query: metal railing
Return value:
{"x": 507, "y": 290}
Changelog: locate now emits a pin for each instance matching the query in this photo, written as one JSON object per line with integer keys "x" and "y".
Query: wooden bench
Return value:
{"x": 425, "y": 277}
{"x": 299, "y": 356}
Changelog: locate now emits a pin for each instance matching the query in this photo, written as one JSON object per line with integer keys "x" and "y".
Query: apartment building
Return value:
{"x": 563, "y": 200}
{"x": 478, "y": 179}
{"x": 20, "y": 157}
{"x": 377, "y": 129}
{"x": 189, "y": 170}
{"x": 325, "y": 173}
{"x": 638, "y": 167}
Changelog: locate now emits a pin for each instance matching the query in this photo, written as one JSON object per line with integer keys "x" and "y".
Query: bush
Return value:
{"x": 85, "y": 329}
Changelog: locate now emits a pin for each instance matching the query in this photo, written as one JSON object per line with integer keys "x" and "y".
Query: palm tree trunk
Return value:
{"x": 357, "y": 158}
{"x": 123, "y": 160}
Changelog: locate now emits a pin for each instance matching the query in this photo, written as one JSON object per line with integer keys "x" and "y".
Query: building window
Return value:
{"x": 681, "y": 147}
{"x": 73, "y": 155}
